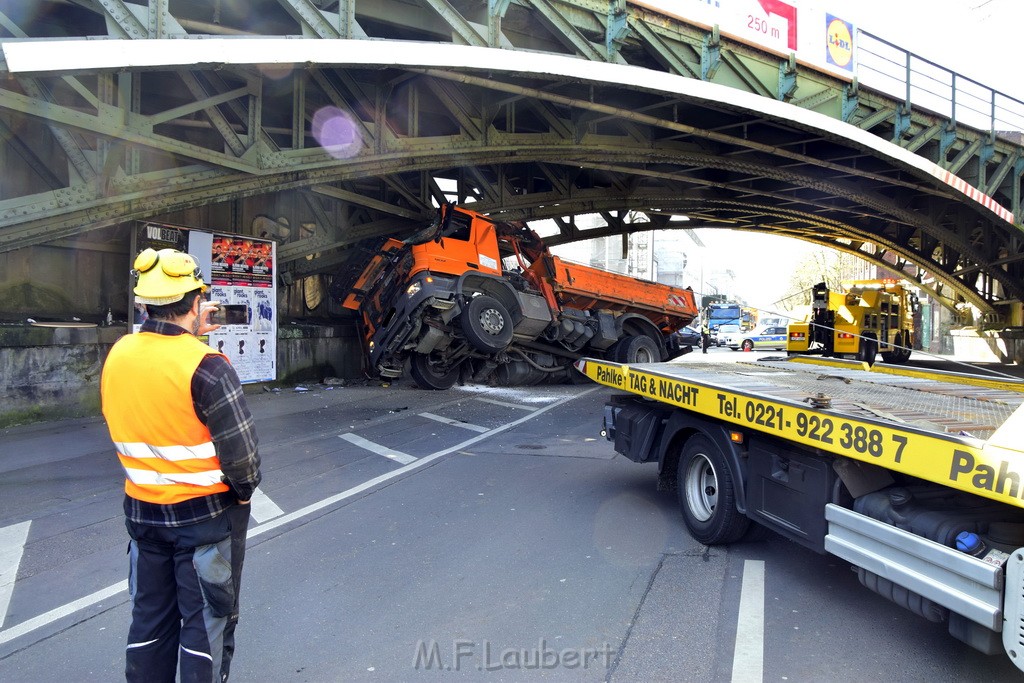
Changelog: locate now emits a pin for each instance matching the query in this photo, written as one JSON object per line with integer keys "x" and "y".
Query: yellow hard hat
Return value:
{"x": 177, "y": 275}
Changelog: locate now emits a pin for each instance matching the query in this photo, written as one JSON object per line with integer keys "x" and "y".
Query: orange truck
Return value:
{"x": 472, "y": 299}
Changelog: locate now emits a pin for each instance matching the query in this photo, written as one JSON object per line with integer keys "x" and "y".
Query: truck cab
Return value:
{"x": 444, "y": 304}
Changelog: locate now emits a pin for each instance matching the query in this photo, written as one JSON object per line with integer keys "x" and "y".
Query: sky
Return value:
{"x": 976, "y": 38}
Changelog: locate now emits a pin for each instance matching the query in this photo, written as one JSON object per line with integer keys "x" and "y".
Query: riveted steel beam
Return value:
{"x": 369, "y": 202}
{"x": 71, "y": 119}
{"x": 312, "y": 19}
{"x": 567, "y": 33}
{"x": 9, "y": 137}
{"x": 710, "y": 55}
{"x": 550, "y": 142}
{"x": 465, "y": 31}
{"x": 667, "y": 54}
{"x": 158, "y": 18}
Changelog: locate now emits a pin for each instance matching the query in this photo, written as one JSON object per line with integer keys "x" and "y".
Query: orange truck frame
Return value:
{"x": 444, "y": 303}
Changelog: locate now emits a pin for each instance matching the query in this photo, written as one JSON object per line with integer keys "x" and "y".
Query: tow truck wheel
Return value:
{"x": 868, "y": 349}
{"x": 707, "y": 496}
{"x": 428, "y": 376}
{"x": 638, "y": 349}
{"x": 486, "y": 324}
{"x": 896, "y": 353}
{"x": 908, "y": 341}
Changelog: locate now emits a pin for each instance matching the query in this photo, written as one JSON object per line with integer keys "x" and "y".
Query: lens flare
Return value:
{"x": 336, "y": 133}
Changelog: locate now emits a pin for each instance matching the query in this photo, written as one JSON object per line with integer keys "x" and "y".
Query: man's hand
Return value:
{"x": 206, "y": 308}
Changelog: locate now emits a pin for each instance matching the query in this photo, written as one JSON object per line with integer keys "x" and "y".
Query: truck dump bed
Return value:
{"x": 933, "y": 425}
{"x": 586, "y": 288}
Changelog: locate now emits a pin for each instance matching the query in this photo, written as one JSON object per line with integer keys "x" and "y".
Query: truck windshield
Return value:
{"x": 724, "y": 314}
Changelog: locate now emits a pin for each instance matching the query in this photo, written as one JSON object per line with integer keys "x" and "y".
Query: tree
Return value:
{"x": 822, "y": 265}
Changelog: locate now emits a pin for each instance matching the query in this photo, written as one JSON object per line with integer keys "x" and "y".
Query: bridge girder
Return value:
{"x": 137, "y": 140}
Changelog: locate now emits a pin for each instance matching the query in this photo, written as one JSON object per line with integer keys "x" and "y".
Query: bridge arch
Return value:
{"x": 139, "y": 129}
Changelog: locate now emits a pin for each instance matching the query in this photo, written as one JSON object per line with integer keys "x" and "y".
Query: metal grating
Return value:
{"x": 922, "y": 403}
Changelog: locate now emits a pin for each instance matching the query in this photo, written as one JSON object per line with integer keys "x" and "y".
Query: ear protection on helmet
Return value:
{"x": 178, "y": 274}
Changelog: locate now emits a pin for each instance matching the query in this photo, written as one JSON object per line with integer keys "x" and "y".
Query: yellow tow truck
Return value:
{"x": 914, "y": 477}
{"x": 869, "y": 317}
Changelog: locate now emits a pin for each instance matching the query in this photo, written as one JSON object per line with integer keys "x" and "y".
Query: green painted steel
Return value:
{"x": 94, "y": 149}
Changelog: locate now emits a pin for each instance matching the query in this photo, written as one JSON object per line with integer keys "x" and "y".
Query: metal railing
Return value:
{"x": 924, "y": 84}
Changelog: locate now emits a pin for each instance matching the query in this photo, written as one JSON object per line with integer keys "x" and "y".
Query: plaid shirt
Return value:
{"x": 220, "y": 405}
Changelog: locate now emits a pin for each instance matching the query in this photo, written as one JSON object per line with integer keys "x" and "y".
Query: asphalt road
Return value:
{"x": 478, "y": 534}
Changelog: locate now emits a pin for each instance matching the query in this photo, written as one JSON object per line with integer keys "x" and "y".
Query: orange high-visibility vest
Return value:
{"x": 146, "y": 388}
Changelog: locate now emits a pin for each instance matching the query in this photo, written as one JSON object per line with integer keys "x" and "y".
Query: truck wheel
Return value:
{"x": 638, "y": 349}
{"x": 431, "y": 376}
{"x": 706, "y": 494}
{"x": 486, "y": 324}
{"x": 908, "y": 341}
{"x": 612, "y": 352}
{"x": 868, "y": 349}
{"x": 894, "y": 355}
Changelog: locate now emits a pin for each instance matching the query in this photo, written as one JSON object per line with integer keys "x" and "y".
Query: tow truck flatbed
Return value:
{"x": 916, "y": 478}
{"x": 927, "y": 424}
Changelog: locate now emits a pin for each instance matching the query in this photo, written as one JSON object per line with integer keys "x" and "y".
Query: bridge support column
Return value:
{"x": 710, "y": 55}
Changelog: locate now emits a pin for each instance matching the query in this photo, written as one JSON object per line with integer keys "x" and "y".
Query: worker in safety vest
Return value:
{"x": 705, "y": 334}
{"x": 188, "y": 445}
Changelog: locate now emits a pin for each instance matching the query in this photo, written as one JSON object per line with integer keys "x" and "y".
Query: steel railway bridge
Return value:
{"x": 353, "y": 118}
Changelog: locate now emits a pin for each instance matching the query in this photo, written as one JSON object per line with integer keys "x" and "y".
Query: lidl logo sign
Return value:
{"x": 839, "y": 42}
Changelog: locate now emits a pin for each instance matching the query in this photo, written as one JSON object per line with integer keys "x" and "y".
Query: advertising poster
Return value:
{"x": 781, "y": 26}
{"x": 240, "y": 272}
{"x": 220, "y": 265}
{"x": 249, "y": 341}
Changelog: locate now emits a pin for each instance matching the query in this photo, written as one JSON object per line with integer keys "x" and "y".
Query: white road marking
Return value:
{"x": 748, "y": 657}
{"x": 397, "y": 456}
{"x": 504, "y": 403}
{"x": 12, "y": 546}
{"x": 263, "y": 508}
{"x": 455, "y": 423}
{"x": 53, "y": 615}
{"x": 56, "y": 613}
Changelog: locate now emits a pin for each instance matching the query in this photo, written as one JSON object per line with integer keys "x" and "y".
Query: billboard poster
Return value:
{"x": 240, "y": 273}
{"x": 781, "y": 26}
{"x": 839, "y": 42}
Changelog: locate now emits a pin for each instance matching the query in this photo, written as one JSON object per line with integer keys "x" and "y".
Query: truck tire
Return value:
{"x": 908, "y": 342}
{"x": 433, "y": 377}
{"x": 707, "y": 496}
{"x": 868, "y": 349}
{"x": 486, "y": 324}
{"x": 637, "y": 349}
{"x": 896, "y": 354}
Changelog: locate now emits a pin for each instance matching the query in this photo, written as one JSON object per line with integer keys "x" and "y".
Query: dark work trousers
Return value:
{"x": 184, "y": 584}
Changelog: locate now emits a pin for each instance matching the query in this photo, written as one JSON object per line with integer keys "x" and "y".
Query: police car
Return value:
{"x": 762, "y": 338}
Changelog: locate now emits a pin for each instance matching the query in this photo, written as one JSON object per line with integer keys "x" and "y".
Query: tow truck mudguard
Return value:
{"x": 776, "y": 484}
{"x": 645, "y": 431}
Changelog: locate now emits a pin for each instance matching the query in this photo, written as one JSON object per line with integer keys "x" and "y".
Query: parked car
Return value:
{"x": 728, "y": 335}
{"x": 688, "y": 336}
{"x": 759, "y": 338}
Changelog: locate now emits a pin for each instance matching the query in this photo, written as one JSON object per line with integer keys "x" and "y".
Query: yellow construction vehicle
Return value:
{"x": 870, "y": 317}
